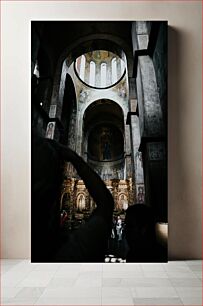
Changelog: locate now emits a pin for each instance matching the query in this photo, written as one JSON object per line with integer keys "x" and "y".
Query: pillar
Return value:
{"x": 153, "y": 135}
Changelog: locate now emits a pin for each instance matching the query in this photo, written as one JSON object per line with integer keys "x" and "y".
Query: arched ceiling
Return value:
{"x": 98, "y": 58}
{"x": 103, "y": 111}
{"x": 78, "y": 37}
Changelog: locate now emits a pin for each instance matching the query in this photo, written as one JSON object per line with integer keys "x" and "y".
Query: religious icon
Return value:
{"x": 50, "y": 130}
{"x": 140, "y": 194}
{"x": 105, "y": 144}
{"x": 123, "y": 202}
{"x": 81, "y": 202}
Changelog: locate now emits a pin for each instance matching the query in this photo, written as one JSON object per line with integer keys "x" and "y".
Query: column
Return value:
{"x": 153, "y": 135}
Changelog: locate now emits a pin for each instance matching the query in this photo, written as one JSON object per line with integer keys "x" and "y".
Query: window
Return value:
{"x": 82, "y": 68}
{"x": 122, "y": 66}
{"x": 100, "y": 68}
{"x": 92, "y": 74}
{"x": 114, "y": 70}
{"x": 103, "y": 75}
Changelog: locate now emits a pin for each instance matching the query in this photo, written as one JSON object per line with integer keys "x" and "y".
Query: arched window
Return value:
{"x": 78, "y": 63}
{"x": 114, "y": 70}
{"x": 103, "y": 74}
{"x": 100, "y": 68}
{"x": 122, "y": 66}
{"x": 82, "y": 68}
{"x": 92, "y": 74}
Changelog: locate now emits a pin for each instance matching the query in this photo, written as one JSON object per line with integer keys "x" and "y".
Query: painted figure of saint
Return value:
{"x": 105, "y": 144}
{"x": 140, "y": 195}
{"x": 106, "y": 151}
{"x": 50, "y": 130}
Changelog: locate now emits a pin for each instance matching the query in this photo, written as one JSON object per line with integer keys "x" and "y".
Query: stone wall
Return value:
{"x": 160, "y": 66}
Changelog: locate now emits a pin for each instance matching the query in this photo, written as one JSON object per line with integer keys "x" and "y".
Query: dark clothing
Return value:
{"x": 89, "y": 242}
{"x": 141, "y": 236}
{"x": 86, "y": 244}
{"x": 47, "y": 177}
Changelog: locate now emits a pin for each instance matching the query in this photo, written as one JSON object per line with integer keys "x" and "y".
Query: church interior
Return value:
{"x": 100, "y": 88}
{"x": 177, "y": 282}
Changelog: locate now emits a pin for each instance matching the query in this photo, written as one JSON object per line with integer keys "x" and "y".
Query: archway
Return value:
{"x": 84, "y": 45}
{"x": 104, "y": 138}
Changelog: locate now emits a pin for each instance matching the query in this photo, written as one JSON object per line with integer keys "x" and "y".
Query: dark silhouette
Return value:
{"x": 88, "y": 243}
{"x": 106, "y": 151}
{"x": 141, "y": 235}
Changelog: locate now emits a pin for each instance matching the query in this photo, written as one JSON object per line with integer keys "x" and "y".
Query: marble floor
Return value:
{"x": 173, "y": 283}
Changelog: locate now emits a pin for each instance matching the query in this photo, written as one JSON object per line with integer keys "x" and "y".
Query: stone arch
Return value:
{"x": 81, "y": 149}
{"x": 103, "y": 127}
{"x": 95, "y": 107}
{"x": 86, "y": 44}
{"x": 104, "y": 95}
{"x": 97, "y": 42}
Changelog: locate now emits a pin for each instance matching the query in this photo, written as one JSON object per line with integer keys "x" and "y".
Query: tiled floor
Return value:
{"x": 174, "y": 283}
